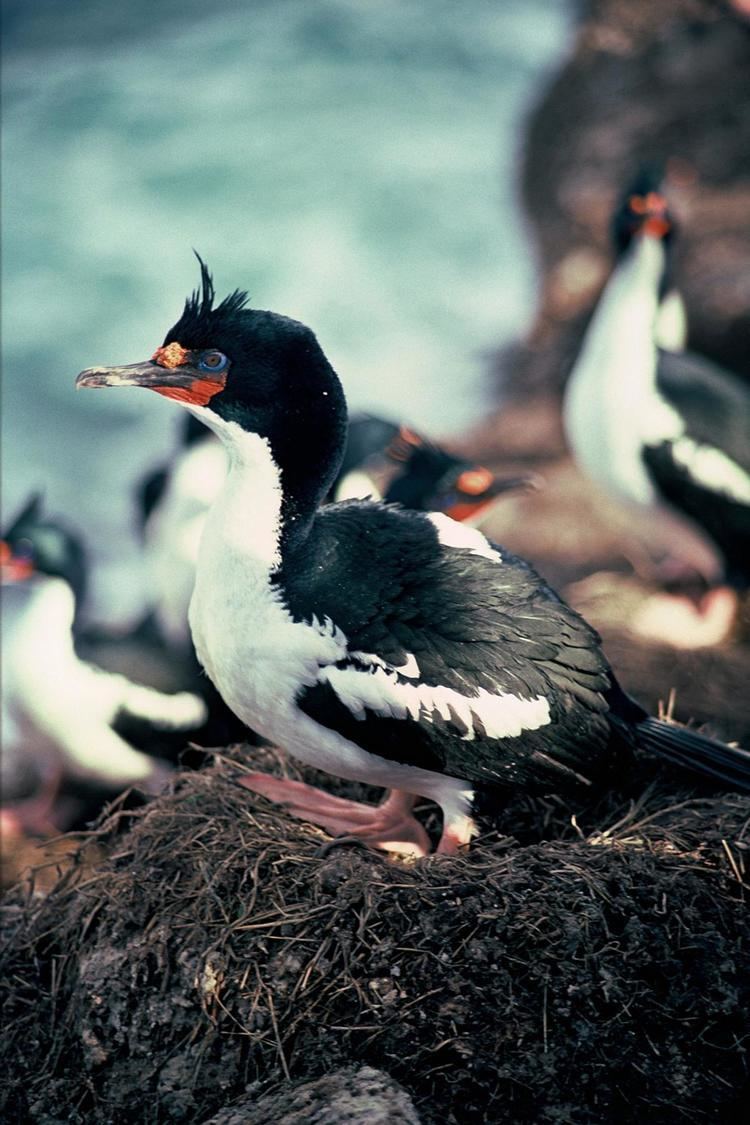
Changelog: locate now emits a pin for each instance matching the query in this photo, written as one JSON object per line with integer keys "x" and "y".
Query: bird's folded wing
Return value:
{"x": 476, "y": 669}
{"x": 713, "y": 406}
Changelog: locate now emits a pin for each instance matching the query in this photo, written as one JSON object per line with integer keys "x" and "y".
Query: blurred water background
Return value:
{"x": 351, "y": 164}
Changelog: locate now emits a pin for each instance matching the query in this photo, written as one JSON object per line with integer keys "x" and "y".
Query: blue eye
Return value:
{"x": 213, "y": 361}
{"x": 24, "y": 549}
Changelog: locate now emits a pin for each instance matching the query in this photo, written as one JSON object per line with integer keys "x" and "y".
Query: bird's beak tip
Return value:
{"x": 92, "y": 377}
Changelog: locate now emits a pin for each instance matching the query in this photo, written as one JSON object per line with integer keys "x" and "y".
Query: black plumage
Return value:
{"x": 643, "y": 201}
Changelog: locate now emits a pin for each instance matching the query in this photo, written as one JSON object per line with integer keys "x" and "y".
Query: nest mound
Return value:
{"x": 219, "y": 951}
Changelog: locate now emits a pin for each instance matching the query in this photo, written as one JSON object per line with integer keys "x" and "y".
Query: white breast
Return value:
{"x": 255, "y": 653}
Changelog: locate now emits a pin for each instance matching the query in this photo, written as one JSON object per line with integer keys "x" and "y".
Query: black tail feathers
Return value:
{"x": 696, "y": 752}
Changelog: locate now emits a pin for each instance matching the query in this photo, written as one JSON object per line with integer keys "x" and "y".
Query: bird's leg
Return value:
{"x": 35, "y": 815}
{"x": 680, "y": 552}
{"x": 458, "y": 831}
{"x": 695, "y": 608}
{"x": 390, "y": 826}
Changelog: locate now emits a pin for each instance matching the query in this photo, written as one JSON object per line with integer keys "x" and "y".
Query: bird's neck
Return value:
{"x": 45, "y": 629}
{"x": 256, "y": 519}
{"x": 633, "y": 292}
{"x": 619, "y": 347}
{"x": 245, "y": 520}
{"x": 612, "y": 403}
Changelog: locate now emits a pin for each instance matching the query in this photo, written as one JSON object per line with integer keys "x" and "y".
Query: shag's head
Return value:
{"x": 228, "y": 363}
{"x": 642, "y": 211}
{"x": 433, "y": 480}
{"x": 36, "y": 545}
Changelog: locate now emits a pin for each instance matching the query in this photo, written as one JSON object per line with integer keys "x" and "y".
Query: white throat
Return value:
{"x": 245, "y": 516}
{"x": 235, "y": 607}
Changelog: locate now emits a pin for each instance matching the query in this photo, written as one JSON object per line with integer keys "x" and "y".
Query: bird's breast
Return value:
{"x": 256, "y": 654}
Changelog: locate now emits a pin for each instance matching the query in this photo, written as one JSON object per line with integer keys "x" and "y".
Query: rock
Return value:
{"x": 365, "y": 1096}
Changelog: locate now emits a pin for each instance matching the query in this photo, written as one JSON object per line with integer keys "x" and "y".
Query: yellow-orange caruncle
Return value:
{"x": 171, "y": 355}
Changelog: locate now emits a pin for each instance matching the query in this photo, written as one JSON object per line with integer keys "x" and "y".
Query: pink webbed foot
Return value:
{"x": 684, "y": 623}
{"x": 390, "y": 826}
{"x": 41, "y": 814}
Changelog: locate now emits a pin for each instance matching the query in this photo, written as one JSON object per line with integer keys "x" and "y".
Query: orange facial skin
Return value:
{"x": 475, "y": 481}
{"x": 656, "y": 226}
{"x": 467, "y": 509}
{"x": 12, "y": 567}
{"x": 654, "y": 207}
{"x": 200, "y": 391}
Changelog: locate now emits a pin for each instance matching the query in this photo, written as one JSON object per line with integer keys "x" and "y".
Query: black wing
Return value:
{"x": 714, "y": 403}
{"x": 457, "y": 662}
{"x": 706, "y": 472}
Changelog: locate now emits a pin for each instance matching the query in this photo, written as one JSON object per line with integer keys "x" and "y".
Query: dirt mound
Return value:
{"x": 584, "y": 968}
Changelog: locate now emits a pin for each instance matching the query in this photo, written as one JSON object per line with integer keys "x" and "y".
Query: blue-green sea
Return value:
{"x": 352, "y": 163}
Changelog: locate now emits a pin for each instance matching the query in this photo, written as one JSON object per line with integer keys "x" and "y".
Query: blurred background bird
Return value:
{"x": 665, "y": 429}
{"x": 69, "y": 724}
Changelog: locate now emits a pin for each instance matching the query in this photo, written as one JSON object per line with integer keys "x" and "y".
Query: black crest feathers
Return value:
{"x": 199, "y": 315}
{"x": 30, "y": 514}
{"x": 649, "y": 176}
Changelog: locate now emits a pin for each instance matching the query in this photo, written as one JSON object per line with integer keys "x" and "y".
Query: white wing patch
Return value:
{"x": 326, "y": 628}
{"x": 179, "y": 711}
{"x": 454, "y": 534}
{"x": 501, "y": 716}
{"x": 409, "y": 669}
{"x": 712, "y": 468}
